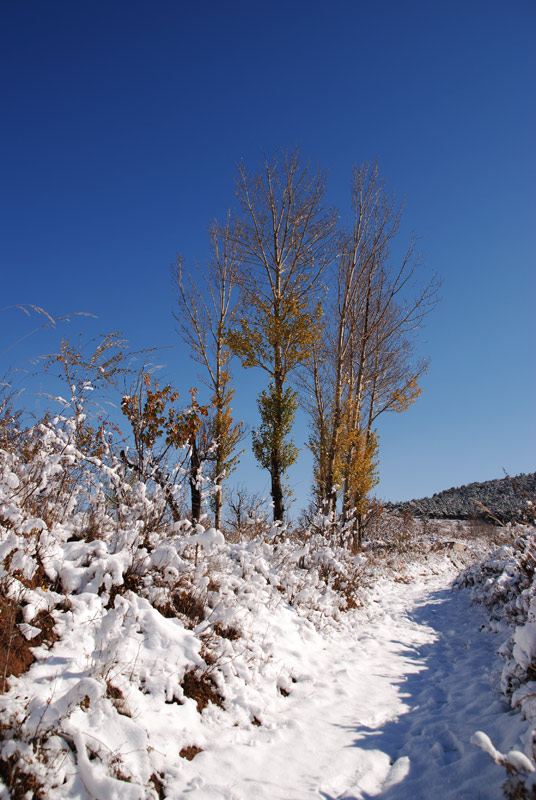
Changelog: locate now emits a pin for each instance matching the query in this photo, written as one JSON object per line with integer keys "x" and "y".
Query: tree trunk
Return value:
{"x": 276, "y": 470}
{"x": 277, "y": 491}
{"x": 218, "y": 503}
{"x": 195, "y": 488}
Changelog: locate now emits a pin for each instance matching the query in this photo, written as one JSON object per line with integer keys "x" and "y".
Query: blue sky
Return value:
{"x": 122, "y": 124}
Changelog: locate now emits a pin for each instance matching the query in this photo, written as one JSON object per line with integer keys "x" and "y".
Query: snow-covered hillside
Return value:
{"x": 502, "y": 500}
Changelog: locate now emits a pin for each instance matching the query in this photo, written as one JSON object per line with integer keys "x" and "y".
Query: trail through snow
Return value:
{"x": 384, "y": 709}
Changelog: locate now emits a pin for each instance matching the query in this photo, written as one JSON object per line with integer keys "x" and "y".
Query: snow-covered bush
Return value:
{"x": 505, "y": 581}
{"x": 121, "y": 620}
{"x": 129, "y": 621}
{"x": 505, "y": 584}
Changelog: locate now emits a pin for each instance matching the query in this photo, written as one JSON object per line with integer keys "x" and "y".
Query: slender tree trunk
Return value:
{"x": 276, "y": 470}
{"x": 218, "y": 504}
{"x": 219, "y": 466}
{"x": 277, "y": 491}
{"x": 331, "y": 492}
{"x": 321, "y": 451}
{"x": 195, "y": 488}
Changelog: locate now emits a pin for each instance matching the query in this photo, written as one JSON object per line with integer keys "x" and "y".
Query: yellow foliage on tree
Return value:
{"x": 292, "y": 332}
{"x": 366, "y": 363}
{"x": 356, "y": 461}
{"x": 402, "y": 398}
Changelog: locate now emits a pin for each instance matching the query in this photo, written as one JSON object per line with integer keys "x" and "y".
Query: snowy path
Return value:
{"x": 384, "y": 711}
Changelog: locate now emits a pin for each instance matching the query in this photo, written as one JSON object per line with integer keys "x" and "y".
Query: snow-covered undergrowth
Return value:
{"x": 129, "y": 641}
{"x": 505, "y": 584}
{"x": 144, "y": 626}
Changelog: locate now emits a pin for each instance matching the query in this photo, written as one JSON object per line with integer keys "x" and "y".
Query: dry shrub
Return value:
{"x": 349, "y": 586}
{"x": 227, "y": 631}
{"x": 21, "y": 784}
{"x": 132, "y": 582}
{"x": 184, "y": 604}
{"x": 16, "y": 654}
{"x": 188, "y": 605}
{"x": 479, "y": 528}
{"x": 9, "y": 427}
{"x": 190, "y": 752}
{"x": 39, "y": 577}
{"x": 158, "y": 785}
{"x": 201, "y": 688}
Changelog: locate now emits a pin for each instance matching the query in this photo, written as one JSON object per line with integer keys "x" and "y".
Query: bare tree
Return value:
{"x": 204, "y": 304}
{"x": 365, "y": 363}
{"x": 246, "y": 513}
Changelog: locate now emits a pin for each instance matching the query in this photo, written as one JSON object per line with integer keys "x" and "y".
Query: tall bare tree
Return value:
{"x": 284, "y": 240}
{"x": 204, "y": 304}
{"x": 365, "y": 363}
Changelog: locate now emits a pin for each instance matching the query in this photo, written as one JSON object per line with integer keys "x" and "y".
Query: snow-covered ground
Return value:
{"x": 171, "y": 663}
{"x": 384, "y": 707}
{"x": 381, "y": 702}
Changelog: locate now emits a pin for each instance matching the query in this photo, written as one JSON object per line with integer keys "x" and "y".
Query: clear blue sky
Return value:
{"x": 122, "y": 124}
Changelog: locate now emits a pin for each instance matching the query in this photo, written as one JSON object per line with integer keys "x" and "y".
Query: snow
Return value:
{"x": 384, "y": 703}
{"x": 384, "y": 708}
{"x": 288, "y": 669}
{"x": 519, "y": 761}
{"x": 524, "y": 650}
{"x": 207, "y": 538}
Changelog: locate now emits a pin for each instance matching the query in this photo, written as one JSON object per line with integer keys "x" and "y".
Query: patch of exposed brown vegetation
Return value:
{"x": 115, "y": 694}
{"x": 158, "y": 785}
{"x": 16, "y": 654}
{"x": 131, "y": 582}
{"x": 190, "y": 752}
{"x": 21, "y": 785}
{"x": 186, "y": 605}
{"x": 226, "y": 631}
{"x": 201, "y": 688}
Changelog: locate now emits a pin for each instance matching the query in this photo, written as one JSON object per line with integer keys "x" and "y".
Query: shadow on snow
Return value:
{"x": 449, "y": 694}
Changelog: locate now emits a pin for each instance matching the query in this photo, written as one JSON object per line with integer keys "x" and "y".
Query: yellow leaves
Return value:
{"x": 261, "y": 339}
{"x": 402, "y": 399}
{"x": 275, "y": 335}
{"x": 356, "y": 464}
{"x": 247, "y": 340}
